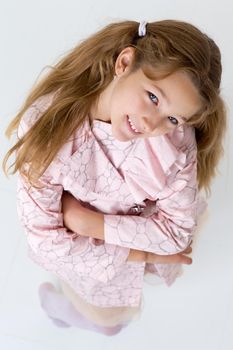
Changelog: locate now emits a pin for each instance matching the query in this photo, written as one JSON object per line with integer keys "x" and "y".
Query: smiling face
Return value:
{"x": 138, "y": 107}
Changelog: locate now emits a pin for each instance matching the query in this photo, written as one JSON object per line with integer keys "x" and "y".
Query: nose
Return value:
{"x": 149, "y": 124}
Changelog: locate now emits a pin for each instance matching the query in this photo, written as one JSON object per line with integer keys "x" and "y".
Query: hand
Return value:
{"x": 180, "y": 258}
{"x": 84, "y": 221}
{"x": 72, "y": 211}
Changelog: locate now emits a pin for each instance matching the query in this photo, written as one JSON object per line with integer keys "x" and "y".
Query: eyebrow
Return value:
{"x": 166, "y": 98}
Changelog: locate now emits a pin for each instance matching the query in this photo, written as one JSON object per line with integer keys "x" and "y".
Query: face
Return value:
{"x": 138, "y": 107}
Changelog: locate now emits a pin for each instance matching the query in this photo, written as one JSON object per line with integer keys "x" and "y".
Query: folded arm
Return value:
{"x": 91, "y": 224}
{"x": 169, "y": 230}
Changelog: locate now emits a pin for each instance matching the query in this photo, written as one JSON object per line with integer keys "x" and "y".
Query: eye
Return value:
{"x": 174, "y": 119}
{"x": 153, "y": 98}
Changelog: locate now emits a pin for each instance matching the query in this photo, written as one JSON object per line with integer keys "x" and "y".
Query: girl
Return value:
{"x": 114, "y": 145}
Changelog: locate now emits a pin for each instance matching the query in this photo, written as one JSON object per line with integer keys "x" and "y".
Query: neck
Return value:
{"x": 100, "y": 110}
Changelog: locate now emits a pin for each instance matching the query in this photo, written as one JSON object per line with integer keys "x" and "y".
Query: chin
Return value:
{"x": 121, "y": 138}
{"x": 118, "y": 135}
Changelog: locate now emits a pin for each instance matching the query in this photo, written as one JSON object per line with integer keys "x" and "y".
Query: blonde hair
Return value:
{"x": 84, "y": 72}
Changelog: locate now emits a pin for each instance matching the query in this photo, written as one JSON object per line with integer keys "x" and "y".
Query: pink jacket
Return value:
{"x": 146, "y": 189}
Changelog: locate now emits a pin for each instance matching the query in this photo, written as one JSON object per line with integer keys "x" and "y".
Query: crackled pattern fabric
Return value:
{"x": 146, "y": 189}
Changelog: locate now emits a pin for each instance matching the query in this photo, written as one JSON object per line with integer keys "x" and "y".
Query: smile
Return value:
{"x": 132, "y": 127}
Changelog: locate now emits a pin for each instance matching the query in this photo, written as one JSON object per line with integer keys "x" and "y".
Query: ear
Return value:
{"x": 124, "y": 61}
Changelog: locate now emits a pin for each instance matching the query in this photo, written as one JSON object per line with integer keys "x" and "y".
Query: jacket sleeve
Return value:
{"x": 65, "y": 253}
{"x": 170, "y": 226}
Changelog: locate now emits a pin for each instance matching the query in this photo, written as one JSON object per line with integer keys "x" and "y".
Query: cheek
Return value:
{"x": 128, "y": 100}
{"x": 134, "y": 103}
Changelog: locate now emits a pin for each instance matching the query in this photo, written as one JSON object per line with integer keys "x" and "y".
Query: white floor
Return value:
{"x": 196, "y": 312}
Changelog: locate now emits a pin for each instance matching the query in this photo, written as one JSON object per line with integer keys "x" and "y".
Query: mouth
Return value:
{"x": 131, "y": 127}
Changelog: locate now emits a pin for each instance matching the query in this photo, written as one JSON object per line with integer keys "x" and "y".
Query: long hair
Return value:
{"x": 85, "y": 71}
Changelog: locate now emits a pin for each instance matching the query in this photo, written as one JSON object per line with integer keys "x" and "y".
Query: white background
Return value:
{"x": 197, "y": 311}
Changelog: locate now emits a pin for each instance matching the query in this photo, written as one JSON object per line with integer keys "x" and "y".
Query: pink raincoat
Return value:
{"x": 147, "y": 191}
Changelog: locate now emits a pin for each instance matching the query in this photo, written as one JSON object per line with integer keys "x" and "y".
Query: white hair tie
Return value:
{"x": 142, "y": 28}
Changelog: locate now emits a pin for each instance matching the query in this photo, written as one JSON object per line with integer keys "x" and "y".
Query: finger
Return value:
{"x": 183, "y": 259}
{"x": 186, "y": 260}
{"x": 169, "y": 259}
{"x": 180, "y": 259}
{"x": 187, "y": 250}
{"x": 97, "y": 241}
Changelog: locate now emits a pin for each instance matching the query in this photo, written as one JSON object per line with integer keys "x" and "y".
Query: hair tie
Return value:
{"x": 142, "y": 28}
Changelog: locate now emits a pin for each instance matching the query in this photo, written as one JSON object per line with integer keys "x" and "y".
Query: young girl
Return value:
{"x": 114, "y": 146}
